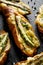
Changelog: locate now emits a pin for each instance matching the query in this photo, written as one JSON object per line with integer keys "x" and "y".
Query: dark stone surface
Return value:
{"x": 15, "y": 54}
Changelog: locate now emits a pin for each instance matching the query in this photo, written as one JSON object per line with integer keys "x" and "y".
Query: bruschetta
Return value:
{"x": 20, "y": 7}
{"x": 4, "y": 46}
{"x": 36, "y": 60}
{"x": 21, "y": 29}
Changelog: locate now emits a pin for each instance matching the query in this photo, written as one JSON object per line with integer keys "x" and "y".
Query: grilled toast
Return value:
{"x": 21, "y": 29}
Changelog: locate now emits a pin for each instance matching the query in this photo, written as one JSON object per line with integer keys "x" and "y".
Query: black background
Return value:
{"x": 15, "y": 54}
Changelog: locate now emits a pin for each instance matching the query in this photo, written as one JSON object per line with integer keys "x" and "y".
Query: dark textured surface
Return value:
{"x": 15, "y": 54}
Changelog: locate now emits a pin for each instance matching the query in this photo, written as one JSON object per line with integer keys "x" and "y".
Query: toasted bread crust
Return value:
{"x": 28, "y": 60}
{"x": 6, "y": 51}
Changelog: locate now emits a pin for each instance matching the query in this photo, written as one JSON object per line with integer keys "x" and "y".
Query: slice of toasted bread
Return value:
{"x": 10, "y": 15}
{"x": 5, "y": 50}
{"x": 36, "y": 60}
